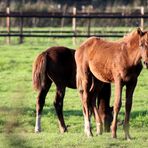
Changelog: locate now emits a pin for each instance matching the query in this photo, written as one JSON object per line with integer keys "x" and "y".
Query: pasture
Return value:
{"x": 17, "y": 106}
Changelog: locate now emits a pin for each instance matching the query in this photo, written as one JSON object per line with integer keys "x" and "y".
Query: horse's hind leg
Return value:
{"x": 58, "y": 104}
{"x": 99, "y": 125}
{"x": 87, "y": 107}
{"x": 93, "y": 95}
{"x": 40, "y": 104}
{"x": 105, "y": 110}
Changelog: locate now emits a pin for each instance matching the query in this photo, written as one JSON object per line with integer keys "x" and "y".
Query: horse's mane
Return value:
{"x": 130, "y": 35}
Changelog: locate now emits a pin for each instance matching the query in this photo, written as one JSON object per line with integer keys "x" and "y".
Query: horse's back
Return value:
{"x": 60, "y": 54}
{"x": 99, "y": 56}
{"x": 61, "y": 65}
{"x": 94, "y": 47}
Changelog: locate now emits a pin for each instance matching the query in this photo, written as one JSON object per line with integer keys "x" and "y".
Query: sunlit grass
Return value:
{"x": 17, "y": 107}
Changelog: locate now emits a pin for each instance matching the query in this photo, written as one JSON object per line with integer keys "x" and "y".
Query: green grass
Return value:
{"x": 17, "y": 106}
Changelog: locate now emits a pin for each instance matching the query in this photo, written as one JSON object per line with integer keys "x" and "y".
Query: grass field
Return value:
{"x": 17, "y": 106}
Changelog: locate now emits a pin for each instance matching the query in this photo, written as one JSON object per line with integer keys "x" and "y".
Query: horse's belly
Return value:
{"x": 102, "y": 74}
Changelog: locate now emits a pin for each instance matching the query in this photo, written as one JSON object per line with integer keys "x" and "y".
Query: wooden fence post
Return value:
{"x": 74, "y": 25}
{"x": 8, "y": 24}
{"x": 89, "y": 24}
{"x": 21, "y": 30}
{"x": 90, "y": 9}
{"x": 142, "y": 19}
{"x": 63, "y": 19}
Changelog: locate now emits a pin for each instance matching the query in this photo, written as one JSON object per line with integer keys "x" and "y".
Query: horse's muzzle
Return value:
{"x": 146, "y": 64}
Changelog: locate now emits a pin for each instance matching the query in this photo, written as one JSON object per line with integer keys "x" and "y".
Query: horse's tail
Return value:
{"x": 79, "y": 82}
{"x": 39, "y": 71}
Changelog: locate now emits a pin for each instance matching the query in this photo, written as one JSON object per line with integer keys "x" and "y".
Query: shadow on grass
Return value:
{"x": 51, "y": 111}
{"x": 28, "y": 111}
{"x": 17, "y": 117}
{"x": 15, "y": 141}
{"x": 135, "y": 114}
{"x": 9, "y": 122}
{"x": 138, "y": 118}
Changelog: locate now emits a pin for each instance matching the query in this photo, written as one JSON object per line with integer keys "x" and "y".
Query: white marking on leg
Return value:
{"x": 99, "y": 127}
{"x": 87, "y": 126}
{"x": 38, "y": 124}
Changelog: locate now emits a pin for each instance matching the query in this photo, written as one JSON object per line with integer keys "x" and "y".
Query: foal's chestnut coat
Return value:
{"x": 117, "y": 62}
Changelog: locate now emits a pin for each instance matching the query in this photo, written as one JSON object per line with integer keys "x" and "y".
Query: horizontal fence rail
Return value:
{"x": 78, "y": 15}
{"x": 74, "y": 32}
{"x": 58, "y": 36}
{"x": 63, "y": 31}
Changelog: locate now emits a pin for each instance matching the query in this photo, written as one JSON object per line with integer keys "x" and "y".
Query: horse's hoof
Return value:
{"x": 89, "y": 134}
{"x": 37, "y": 130}
{"x": 128, "y": 138}
{"x": 99, "y": 133}
{"x": 63, "y": 130}
{"x": 114, "y": 136}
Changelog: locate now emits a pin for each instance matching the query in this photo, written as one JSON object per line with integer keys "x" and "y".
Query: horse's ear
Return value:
{"x": 140, "y": 32}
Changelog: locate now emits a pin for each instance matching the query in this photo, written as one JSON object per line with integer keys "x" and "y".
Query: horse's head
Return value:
{"x": 108, "y": 120}
{"x": 143, "y": 44}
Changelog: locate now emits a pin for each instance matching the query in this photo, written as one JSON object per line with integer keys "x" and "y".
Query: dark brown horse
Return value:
{"x": 57, "y": 64}
{"x": 118, "y": 62}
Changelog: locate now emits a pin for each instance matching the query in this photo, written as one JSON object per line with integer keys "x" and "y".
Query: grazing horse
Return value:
{"x": 118, "y": 62}
{"x": 57, "y": 64}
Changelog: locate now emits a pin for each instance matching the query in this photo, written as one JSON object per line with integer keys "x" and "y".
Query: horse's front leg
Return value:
{"x": 117, "y": 106}
{"x": 58, "y": 104}
{"x": 130, "y": 87}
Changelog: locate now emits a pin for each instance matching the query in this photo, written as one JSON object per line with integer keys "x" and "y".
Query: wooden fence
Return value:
{"x": 73, "y": 16}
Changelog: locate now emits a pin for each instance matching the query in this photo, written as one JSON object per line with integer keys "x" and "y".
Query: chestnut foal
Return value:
{"x": 117, "y": 62}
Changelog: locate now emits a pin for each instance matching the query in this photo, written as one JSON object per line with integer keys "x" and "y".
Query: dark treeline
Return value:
{"x": 49, "y": 5}
{"x": 65, "y": 6}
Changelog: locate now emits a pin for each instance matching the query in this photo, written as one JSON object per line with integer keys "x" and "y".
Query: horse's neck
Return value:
{"x": 133, "y": 49}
